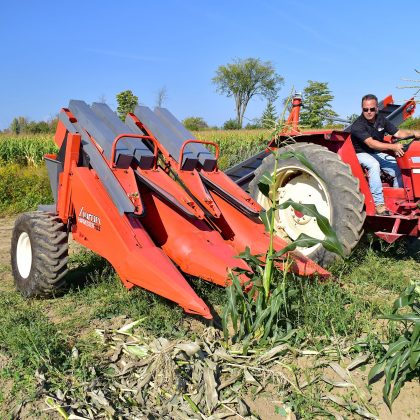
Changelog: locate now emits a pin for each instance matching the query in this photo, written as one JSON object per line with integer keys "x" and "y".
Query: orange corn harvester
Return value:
{"x": 149, "y": 197}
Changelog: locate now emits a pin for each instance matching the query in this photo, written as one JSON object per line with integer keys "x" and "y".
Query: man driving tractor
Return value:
{"x": 374, "y": 154}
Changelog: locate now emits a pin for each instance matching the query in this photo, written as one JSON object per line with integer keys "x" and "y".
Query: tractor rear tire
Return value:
{"x": 333, "y": 189}
{"x": 39, "y": 254}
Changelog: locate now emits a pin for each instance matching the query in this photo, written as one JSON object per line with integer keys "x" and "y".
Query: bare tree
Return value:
{"x": 415, "y": 85}
{"x": 102, "y": 99}
{"x": 161, "y": 96}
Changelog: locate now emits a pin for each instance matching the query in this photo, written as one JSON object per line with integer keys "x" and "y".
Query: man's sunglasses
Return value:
{"x": 369, "y": 109}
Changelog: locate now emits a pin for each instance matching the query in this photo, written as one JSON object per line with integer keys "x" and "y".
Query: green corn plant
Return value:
{"x": 402, "y": 358}
{"x": 260, "y": 309}
{"x": 26, "y": 150}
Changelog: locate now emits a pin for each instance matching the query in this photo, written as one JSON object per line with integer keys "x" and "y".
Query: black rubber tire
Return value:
{"x": 48, "y": 243}
{"x": 346, "y": 200}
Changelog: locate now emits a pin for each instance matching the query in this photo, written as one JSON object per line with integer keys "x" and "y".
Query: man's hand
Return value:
{"x": 397, "y": 148}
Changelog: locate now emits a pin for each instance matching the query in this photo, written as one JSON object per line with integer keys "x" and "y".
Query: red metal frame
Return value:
{"x": 211, "y": 143}
{"x": 130, "y": 135}
{"x": 176, "y": 220}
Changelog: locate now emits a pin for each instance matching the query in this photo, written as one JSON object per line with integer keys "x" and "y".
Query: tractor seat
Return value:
{"x": 387, "y": 179}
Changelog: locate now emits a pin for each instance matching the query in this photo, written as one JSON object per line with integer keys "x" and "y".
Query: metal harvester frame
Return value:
{"x": 150, "y": 198}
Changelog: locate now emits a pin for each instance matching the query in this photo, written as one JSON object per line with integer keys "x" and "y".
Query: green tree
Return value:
{"x": 19, "y": 125}
{"x": 269, "y": 116}
{"x": 254, "y": 124}
{"x": 53, "y": 124}
{"x": 231, "y": 124}
{"x": 127, "y": 101}
{"x": 352, "y": 118}
{"x": 246, "y": 78}
{"x": 195, "y": 123}
{"x": 41, "y": 127}
{"x": 23, "y": 123}
{"x": 15, "y": 126}
{"x": 316, "y": 100}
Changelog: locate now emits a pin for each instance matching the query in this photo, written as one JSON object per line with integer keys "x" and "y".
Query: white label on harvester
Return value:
{"x": 416, "y": 171}
{"x": 89, "y": 219}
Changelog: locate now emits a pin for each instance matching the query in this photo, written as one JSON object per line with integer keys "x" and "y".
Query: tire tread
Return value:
{"x": 49, "y": 243}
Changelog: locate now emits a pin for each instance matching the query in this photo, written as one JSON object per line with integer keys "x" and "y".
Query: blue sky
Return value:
{"x": 54, "y": 51}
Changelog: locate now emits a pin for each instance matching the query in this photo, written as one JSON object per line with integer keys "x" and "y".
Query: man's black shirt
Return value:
{"x": 362, "y": 129}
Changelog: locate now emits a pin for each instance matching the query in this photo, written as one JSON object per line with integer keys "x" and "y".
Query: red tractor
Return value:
{"x": 339, "y": 188}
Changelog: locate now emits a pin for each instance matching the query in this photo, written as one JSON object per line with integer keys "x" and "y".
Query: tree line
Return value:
{"x": 21, "y": 125}
{"x": 242, "y": 80}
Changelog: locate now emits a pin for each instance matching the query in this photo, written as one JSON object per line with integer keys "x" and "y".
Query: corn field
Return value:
{"x": 25, "y": 150}
{"x": 235, "y": 146}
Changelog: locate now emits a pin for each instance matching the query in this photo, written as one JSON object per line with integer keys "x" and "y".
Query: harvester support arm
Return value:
{"x": 64, "y": 204}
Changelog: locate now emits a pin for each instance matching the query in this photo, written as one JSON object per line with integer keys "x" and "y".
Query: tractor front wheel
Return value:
{"x": 39, "y": 254}
{"x": 331, "y": 187}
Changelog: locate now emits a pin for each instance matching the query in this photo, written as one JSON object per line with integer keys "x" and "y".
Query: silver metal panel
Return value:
{"x": 167, "y": 137}
{"x": 110, "y": 183}
{"x": 102, "y": 134}
{"x": 204, "y": 156}
{"x": 135, "y": 146}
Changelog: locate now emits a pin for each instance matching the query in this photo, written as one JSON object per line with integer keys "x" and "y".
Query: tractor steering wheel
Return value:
{"x": 406, "y": 146}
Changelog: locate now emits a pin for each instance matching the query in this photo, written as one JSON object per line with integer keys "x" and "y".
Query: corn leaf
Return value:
{"x": 376, "y": 370}
{"x": 330, "y": 242}
{"x": 302, "y": 241}
{"x": 396, "y": 347}
{"x": 265, "y": 183}
{"x": 137, "y": 350}
{"x": 406, "y": 298}
{"x": 415, "y": 358}
{"x": 267, "y": 218}
{"x": 247, "y": 256}
{"x": 358, "y": 361}
{"x": 306, "y": 241}
{"x": 191, "y": 403}
{"x": 300, "y": 157}
{"x": 407, "y": 317}
{"x": 131, "y": 325}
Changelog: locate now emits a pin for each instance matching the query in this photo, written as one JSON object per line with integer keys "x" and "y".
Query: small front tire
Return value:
{"x": 39, "y": 254}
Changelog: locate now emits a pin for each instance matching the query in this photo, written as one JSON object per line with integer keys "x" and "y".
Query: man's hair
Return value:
{"x": 368, "y": 97}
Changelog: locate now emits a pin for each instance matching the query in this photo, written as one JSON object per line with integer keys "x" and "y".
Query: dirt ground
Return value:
{"x": 6, "y": 226}
{"x": 407, "y": 405}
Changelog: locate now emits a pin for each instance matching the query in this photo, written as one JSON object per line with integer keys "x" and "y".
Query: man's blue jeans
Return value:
{"x": 374, "y": 162}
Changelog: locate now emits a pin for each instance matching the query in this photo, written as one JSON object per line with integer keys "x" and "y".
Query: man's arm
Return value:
{"x": 397, "y": 148}
{"x": 406, "y": 133}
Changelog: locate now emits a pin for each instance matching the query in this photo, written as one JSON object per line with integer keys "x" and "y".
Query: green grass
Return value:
{"x": 328, "y": 309}
{"x": 29, "y": 341}
{"x": 39, "y": 333}
{"x": 377, "y": 269}
{"x": 23, "y": 188}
